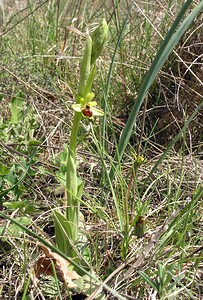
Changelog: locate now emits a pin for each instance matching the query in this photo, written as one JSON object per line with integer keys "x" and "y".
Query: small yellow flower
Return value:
{"x": 138, "y": 158}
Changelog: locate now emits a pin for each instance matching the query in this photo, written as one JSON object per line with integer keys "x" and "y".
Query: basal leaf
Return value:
{"x": 4, "y": 170}
{"x": 17, "y": 104}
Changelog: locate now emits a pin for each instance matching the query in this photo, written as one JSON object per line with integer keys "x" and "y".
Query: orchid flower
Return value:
{"x": 87, "y": 107}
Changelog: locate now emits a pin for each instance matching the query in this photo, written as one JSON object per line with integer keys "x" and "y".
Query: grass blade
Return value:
{"x": 171, "y": 40}
{"x": 111, "y": 70}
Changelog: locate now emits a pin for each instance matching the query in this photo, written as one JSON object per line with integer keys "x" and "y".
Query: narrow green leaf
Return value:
{"x": 59, "y": 296}
{"x": 148, "y": 280}
{"x": 161, "y": 275}
{"x": 34, "y": 143}
{"x": 26, "y": 286}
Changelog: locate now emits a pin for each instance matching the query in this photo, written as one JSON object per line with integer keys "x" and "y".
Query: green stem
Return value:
{"x": 74, "y": 132}
{"x": 73, "y": 203}
{"x": 72, "y": 210}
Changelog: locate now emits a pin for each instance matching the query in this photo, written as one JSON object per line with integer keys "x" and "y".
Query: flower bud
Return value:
{"x": 99, "y": 39}
{"x": 140, "y": 226}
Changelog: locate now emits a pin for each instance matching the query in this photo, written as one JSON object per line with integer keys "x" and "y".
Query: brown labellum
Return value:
{"x": 87, "y": 112}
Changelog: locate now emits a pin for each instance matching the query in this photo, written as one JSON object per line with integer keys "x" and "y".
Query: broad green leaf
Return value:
{"x": 4, "y": 170}
{"x": 15, "y": 230}
{"x": 12, "y": 205}
{"x": 23, "y": 206}
{"x": 62, "y": 234}
{"x": 11, "y": 177}
{"x": 17, "y": 104}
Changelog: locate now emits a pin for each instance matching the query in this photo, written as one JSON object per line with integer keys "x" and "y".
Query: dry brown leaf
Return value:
{"x": 44, "y": 265}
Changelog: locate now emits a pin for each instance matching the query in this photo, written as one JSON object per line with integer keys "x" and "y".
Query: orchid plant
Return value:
{"x": 67, "y": 234}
